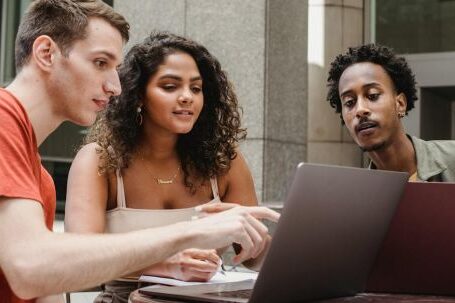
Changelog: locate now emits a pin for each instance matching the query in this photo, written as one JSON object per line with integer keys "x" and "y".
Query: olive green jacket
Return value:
{"x": 435, "y": 160}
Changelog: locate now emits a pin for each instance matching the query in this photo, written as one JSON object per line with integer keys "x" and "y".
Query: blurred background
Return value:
{"x": 277, "y": 54}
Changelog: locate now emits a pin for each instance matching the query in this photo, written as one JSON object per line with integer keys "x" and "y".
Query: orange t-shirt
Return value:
{"x": 21, "y": 172}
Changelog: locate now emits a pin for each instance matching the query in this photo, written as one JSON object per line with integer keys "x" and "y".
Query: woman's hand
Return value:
{"x": 195, "y": 265}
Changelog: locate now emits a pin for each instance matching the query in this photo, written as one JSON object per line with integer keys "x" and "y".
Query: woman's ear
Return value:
{"x": 43, "y": 52}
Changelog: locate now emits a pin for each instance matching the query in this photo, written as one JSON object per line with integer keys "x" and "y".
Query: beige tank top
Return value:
{"x": 123, "y": 219}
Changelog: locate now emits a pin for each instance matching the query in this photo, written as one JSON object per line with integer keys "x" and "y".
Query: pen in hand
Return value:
{"x": 222, "y": 269}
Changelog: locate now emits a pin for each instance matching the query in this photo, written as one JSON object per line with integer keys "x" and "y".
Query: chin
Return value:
{"x": 372, "y": 147}
{"x": 84, "y": 121}
{"x": 184, "y": 132}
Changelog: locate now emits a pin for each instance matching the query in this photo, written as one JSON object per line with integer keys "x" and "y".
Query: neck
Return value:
{"x": 157, "y": 146}
{"x": 397, "y": 156}
{"x": 30, "y": 90}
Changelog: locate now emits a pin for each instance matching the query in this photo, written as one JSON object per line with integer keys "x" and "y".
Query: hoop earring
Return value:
{"x": 139, "y": 116}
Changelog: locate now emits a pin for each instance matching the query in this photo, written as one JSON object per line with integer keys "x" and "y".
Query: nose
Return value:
{"x": 112, "y": 85}
{"x": 186, "y": 96}
{"x": 362, "y": 109}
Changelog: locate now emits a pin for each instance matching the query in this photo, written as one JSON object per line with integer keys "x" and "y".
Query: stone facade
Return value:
{"x": 262, "y": 44}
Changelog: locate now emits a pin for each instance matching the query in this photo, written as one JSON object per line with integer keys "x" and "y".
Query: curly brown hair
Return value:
{"x": 208, "y": 149}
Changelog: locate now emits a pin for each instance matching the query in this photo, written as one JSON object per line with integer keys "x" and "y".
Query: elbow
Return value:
{"x": 24, "y": 278}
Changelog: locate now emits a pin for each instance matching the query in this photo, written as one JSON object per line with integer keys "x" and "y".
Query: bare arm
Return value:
{"x": 87, "y": 194}
{"x": 239, "y": 183}
{"x": 86, "y": 209}
{"x": 72, "y": 262}
{"x": 240, "y": 190}
{"x": 38, "y": 262}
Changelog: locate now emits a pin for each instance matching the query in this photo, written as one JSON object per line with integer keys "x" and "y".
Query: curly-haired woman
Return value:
{"x": 167, "y": 144}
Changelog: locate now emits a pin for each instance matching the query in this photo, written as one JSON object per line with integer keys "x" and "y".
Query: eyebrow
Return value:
{"x": 368, "y": 85}
{"x": 110, "y": 55}
{"x": 178, "y": 78}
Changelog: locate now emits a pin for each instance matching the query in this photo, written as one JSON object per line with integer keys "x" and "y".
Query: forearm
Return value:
{"x": 37, "y": 262}
{"x": 53, "y": 263}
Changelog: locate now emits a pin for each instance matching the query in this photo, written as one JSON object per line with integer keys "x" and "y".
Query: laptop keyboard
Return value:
{"x": 241, "y": 293}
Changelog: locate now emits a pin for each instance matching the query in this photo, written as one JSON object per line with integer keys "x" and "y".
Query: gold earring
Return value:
{"x": 139, "y": 116}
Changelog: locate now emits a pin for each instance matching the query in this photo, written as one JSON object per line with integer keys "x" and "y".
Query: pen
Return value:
{"x": 222, "y": 269}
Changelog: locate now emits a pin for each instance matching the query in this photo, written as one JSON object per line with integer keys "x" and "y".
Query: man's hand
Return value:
{"x": 212, "y": 208}
{"x": 195, "y": 265}
{"x": 234, "y": 224}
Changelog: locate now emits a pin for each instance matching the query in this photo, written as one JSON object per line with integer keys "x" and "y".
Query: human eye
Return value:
{"x": 169, "y": 86}
{"x": 348, "y": 102}
{"x": 100, "y": 63}
{"x": 196, "y": 89}
{"x": 373, "y": 96}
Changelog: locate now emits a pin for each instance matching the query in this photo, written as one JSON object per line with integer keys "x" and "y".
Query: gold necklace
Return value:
{"x": 160, "y": 181}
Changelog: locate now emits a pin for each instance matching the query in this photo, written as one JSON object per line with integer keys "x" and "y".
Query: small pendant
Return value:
{"x": 161, "y": 181}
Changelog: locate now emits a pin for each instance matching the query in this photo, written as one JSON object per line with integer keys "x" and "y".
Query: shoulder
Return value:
{"x": 237, "y": 185}
{"x": 90, "y": 150}
{"x": 13, "y": 116}
{"x": 88, "y": 156}
{"x": 435, "y": 156}
{"x": 440, "y": 149}
{"x": 17, "y": 139}
{"x": 238, "y": 165}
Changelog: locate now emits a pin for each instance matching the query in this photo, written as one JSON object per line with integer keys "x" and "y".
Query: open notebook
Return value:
{"x": 219, "y": 277}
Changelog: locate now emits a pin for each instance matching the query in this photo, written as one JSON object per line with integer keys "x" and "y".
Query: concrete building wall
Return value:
{"x": 262, "y": 44}
{"x": 333, "y": 26}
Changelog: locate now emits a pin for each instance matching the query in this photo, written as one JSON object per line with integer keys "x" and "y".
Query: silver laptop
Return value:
{"x": 326, "y": 241}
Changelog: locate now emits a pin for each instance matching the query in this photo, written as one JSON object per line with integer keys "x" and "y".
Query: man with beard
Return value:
{"x": 373, "y": 89}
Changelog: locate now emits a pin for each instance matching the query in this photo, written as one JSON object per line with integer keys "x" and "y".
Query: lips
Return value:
{"x": 183, "y": 112}
{"x": 101, "y": 103}
{"x": 366, "y": 125}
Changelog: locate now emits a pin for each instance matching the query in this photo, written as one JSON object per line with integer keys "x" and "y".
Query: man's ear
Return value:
{"x": 401, "y": 103}
{"x": 44, "y": 51}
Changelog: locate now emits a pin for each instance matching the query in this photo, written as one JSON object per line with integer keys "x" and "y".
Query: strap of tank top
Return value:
{"x": 214, "y": 183}
{"x": 121, "y": 201}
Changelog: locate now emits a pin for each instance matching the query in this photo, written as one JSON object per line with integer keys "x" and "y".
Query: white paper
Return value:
{"x": 230, "y": 276}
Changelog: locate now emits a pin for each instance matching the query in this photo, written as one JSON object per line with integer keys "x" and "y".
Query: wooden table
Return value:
{"x": 136, "y": 297}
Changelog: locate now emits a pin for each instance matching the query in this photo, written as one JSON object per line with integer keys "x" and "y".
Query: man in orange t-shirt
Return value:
{"x": 67, "y": 54}
{"x": 21, "y": 171}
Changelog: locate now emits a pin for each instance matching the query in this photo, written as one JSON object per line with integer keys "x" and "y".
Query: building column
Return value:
{"x": 334, "y": 25}
{"x": 262, "y": 45}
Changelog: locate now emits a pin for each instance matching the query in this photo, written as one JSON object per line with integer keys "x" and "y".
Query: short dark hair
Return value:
{"x": 65, "y": 21}
{"x": 396, "y": 67}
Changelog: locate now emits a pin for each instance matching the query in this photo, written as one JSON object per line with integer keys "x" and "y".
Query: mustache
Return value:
{"x": 365, "y": 122}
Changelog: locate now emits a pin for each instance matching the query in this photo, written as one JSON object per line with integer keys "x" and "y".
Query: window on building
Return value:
{"x": 422, "y": 31}
{"x": 416, "y": 26}
{"x": 11, "y": 11}
{"x": 58, "y": 150}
